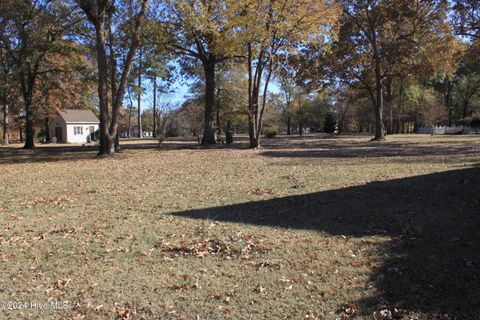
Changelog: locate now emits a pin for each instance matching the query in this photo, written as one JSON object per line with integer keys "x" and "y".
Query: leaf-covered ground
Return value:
{"x": 304, "y": 228}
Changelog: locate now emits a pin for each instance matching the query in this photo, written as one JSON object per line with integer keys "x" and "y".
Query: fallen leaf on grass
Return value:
{"x": 123, "y": 312}
{"x": 261, "y": 290}
{"x": 211, "y": 246}
{"x": 267, "y": 264}
{"x": 355, "y": 262}
{"x": 260, "y": 192}
{"x": 62, "y": 283}
{"x": 289, "y": 280}
{"x": 290, "y": 287}
{"x": 348, "y": 311}
{"x": 311, "y": 255}
{"x": 183, "y": 286}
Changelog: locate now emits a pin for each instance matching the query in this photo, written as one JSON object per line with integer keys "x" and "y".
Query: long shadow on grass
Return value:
{"x": 331, "y": 148}
{"x": 432, "y": 264}
{"x": 52, "y": 153}
{"x": 47, "y": 154}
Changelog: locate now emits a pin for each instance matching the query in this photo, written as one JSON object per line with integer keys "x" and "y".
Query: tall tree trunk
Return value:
{"x": 391, "y": 120}
{"x": 5, "y": 101}
{"x": 300, "y": 127}
{"x": 95, "y": 12}
{"x": 415, "y": 123}
{"x": 400, "y": 108}
{"x": 127, "y": 67}
{"x": 113, "y": 70}
{"x": 47, "y": 130}
{"x": 465, "y": 109}
{"x": 117, "y": 142}
{"x": 389, "y": 100}
{"x": 448, "y": 99}
{"x": 252, "y": 99}
{"x": 217, "y": 109}
{"x": 208, "y": 129}
{"x": 139, "y": 106}
{"x": 379, "y": 133}
{"x": 264, "y": 100}
{"x": 289, "y": 124}
{"x": 289, "y": 118}
{"x": 130, "y": 111}
{"x": 253, "y": 122}
{"x": 27, "y": 86}
{"x": 107, "y": 144}
{"x": 251, "y": 131}
{"x": 29, "y": 131}
{"x": 217, "y": 122}
{"x": 130, "y": 122}
{"x": 6, "y": 139}
{"x": 154, "y": 106}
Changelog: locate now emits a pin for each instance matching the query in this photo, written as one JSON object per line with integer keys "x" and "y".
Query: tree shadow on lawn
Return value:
{"x": 432, "y": 263}
{"x": 280, "y": 147}
{"x": 332, "y": 148}
{"x": 47, "y": 154}
{"x": 52, "y": 153}
{"x": 342, "y": 147}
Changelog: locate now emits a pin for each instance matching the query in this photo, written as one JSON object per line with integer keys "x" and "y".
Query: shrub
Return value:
{"x": 475, "y": 122}
{"x": 464, "y": 122}
{"x": 270, "y": 133}
{"x": 41, "y": 135}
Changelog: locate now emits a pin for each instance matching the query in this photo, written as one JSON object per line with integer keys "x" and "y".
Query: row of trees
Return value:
{"x": 398, "y": 56}
{"x": 40, "y": 64}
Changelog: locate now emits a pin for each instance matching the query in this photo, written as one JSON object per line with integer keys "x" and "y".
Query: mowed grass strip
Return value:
{"x": 304, "y": 228}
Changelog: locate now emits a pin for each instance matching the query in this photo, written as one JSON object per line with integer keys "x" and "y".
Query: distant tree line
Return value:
{"x": 286, "y": 66}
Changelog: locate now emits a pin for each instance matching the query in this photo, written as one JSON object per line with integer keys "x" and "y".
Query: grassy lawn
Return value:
{"x": 304, "y": 228}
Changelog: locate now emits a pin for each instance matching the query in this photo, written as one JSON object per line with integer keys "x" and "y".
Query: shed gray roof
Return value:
{"x": 79, "y": 116}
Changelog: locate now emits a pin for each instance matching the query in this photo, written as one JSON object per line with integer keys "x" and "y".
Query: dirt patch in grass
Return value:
{"x": 303, "y": 228}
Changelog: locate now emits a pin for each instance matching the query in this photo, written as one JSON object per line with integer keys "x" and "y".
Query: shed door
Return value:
{"x": 59, "y": 134}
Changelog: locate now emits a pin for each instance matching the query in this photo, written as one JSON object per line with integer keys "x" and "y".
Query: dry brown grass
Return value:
{"x": 304, "y": 228}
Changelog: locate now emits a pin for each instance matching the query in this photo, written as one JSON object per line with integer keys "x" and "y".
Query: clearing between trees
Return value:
{"x": 304, "y": 228}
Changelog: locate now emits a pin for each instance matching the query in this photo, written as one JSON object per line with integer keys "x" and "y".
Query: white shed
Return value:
{"x": 74, "y": 126}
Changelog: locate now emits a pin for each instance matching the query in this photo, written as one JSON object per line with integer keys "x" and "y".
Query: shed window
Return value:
{"x": 77, "y": 130}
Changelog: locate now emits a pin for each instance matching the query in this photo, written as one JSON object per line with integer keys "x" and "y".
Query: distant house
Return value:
{"x": 74, "y": 126}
